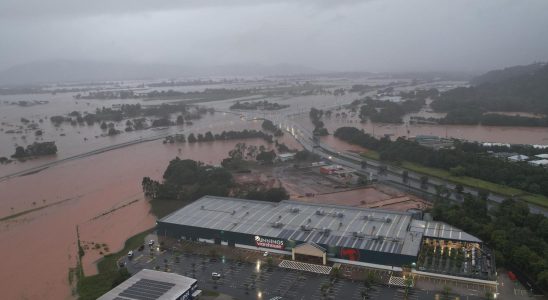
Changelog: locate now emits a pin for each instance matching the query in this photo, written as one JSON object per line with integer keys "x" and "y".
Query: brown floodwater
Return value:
{"x": 100, "y": 194}
{"x": 493, "y": 134}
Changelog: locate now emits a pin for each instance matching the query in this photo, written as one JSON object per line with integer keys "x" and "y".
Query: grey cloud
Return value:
{"x": 376, "y": 35}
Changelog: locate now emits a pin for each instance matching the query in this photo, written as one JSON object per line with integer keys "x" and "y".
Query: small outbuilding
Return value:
{"x": 517, "y": 158}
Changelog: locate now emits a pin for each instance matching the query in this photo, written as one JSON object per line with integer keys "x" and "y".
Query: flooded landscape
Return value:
{"x": 93, "y": 183}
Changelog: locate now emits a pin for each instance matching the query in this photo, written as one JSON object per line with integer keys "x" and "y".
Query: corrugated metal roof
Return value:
{"x": 440, "y": 230}
{"x": 332, "y": 225}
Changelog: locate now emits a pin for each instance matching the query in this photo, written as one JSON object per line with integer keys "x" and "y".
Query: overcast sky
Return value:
{"x": 374, "y": 35}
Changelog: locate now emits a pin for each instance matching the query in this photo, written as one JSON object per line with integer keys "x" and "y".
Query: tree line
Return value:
{"x": 35, "y": 149}
{"x": 315, "y": 117}
{"x": 463, "y": 160}
{"x": 255, "y": 105}
{"x": 188, "y": 180}
{"x": 527, "y": 92}
{"x": 269, "y": 126}
{"x": 223, "y": 136}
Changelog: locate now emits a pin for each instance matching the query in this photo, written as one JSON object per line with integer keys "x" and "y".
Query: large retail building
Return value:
{"x": 338, "y": 233}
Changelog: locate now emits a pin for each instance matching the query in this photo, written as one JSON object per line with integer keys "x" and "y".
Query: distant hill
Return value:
{"x": 516, "y": 89}
{"x": 506, "y": 73}
{"x": 66, "y": 70}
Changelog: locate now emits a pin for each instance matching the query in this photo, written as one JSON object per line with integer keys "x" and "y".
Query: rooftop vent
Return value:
{"x": 358, "y": 234}
{"x": 379, "y": 238}
{"x": 277, "y": 224}
{"x": 306, "y": 228}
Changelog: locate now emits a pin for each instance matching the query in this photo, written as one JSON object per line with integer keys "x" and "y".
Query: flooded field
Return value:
{"x": 100, "y": 194}
{"x": 479, "y": 133}
{"x": 377, "y": 196}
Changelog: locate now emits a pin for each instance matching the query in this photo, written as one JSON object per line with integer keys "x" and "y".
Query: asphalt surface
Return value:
{"x": 251, "y": 281}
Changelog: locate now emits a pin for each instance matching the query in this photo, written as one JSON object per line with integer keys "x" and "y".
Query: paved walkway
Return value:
{"x": 295, "y": 265}
{"x": 398, "y": 281}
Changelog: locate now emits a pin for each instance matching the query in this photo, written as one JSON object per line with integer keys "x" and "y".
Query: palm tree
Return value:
{"x": 408, "y": 282}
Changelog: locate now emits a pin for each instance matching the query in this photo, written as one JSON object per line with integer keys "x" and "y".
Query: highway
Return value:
{"x": 285, "y": 120}
{"x": 391, "y": 174}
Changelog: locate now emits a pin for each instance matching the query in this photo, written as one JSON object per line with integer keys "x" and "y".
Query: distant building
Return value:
{"x": 518, "y": 157}
{"x": 496, "y": 144}
{"x": 286, "y": 156}
{"x": 432, "y": 141}
{"x": 331, "y": 169}
{"x": 503, "y": 155}
{"x": 157, "y": 285}
{"x": 539, "y": 162}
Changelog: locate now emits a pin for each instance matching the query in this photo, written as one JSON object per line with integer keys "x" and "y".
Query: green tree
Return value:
{"x": 266, "y": 157}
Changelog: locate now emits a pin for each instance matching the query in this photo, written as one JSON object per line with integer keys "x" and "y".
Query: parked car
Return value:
{"x": 151, "y": 243}
{"x": 130, "y": 254}
{"x": 215, "y": 275}
{"x": 265, "y": 254}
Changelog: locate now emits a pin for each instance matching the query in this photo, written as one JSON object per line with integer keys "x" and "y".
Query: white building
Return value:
{"x": 286, "y": 156}
{"x": 539, "y": 162}
{"x": 149, "y": 284}
{"x": 518, "y": 157}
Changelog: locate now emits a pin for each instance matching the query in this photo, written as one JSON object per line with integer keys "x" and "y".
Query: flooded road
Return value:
{"x": 100, "y": 194}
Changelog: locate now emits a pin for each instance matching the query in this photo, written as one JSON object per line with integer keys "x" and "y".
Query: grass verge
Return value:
{"x": 539, "y": 200}
{"x": 92, "y": 287}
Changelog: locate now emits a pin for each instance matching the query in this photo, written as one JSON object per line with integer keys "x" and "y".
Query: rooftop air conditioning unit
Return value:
{"x": 358, "y": 234}
{"x": 277, "y": 224}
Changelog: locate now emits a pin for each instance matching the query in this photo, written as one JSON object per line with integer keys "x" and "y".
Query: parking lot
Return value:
{"x": 254, "y": 276}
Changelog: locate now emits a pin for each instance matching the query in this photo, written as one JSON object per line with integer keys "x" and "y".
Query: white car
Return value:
{"x": 151, "y": 243}
{"x": 215, "y": 275}
{"x": 265, "y": 254}
{"x": 130, "y": 254}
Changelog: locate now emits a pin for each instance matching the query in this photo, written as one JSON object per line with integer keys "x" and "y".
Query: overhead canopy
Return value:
{"x": 442, "y": 231}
